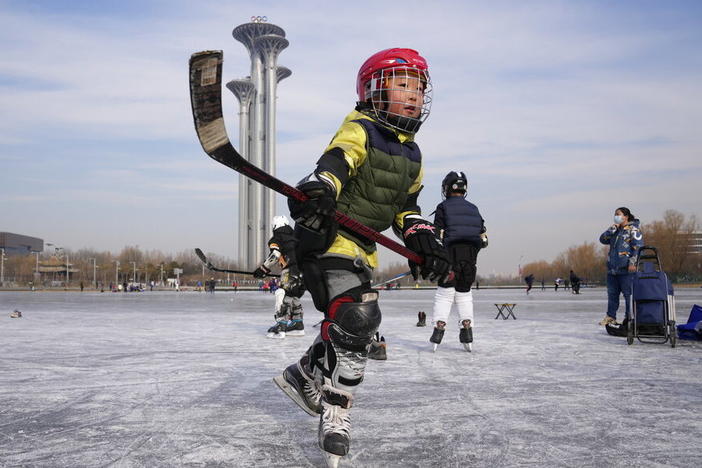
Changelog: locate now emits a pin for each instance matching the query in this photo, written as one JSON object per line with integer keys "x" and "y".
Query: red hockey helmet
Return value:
{"x": 371, "y": 85}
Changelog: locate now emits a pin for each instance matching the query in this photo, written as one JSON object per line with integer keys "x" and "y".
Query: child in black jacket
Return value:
{"x": 463, "y": 234}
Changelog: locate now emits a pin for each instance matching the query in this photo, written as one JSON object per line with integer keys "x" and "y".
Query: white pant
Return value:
{"x": 279, "y": 296}
{"x": 443, "y": 301}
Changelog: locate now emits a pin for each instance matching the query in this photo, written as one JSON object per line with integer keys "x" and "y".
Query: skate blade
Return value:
{"x": 468, "y": 346}
{"x": 296, "y": 333}
{"x": 276, "y": 336}
{"x": 292, "y": 394}
{"x": 331, "y": 459}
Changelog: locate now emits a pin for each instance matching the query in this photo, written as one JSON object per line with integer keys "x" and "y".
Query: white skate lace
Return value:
{"x": 336, "y": 419}
{"x": 311, "y": 392}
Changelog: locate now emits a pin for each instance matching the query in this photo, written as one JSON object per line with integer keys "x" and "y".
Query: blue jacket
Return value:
{"x": 624, "y": 244}
{"x": 460, "y": 220}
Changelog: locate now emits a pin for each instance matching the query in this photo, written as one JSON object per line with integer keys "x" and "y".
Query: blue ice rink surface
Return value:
{"x": 161, "y": 379}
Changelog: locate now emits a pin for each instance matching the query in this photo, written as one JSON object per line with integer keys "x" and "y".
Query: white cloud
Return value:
{"x": 549, "y": 106}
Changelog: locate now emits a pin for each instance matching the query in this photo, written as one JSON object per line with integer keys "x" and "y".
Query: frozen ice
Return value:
{"x": 185, "y": 379}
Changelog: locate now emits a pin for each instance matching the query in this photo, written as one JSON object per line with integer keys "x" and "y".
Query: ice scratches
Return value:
{"x": 136, "y": 444}
{"x": 49, "y": 412}
{"x": 168, "y": 379}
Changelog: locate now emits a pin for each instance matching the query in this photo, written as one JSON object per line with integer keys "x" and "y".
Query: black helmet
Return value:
{"x": 454, "y": 182}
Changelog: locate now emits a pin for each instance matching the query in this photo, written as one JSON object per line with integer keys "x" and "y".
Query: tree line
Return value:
{"x": 131, "y": 264}
{"x": 672, "y": 237}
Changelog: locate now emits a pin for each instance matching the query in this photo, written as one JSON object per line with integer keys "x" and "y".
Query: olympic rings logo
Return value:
{"x": 259, "y": 19}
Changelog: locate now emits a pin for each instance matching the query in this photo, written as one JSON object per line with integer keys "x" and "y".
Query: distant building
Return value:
{"x": 694, "y": 242}
{"x": 17, "y": 244}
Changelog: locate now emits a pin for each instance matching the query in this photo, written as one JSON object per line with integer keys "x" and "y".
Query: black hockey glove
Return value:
{"x": 261, "y": 272}
{"x": 294, "y": 285}
{"x": 420, "y": 237}
{"x": 316, "y": 213}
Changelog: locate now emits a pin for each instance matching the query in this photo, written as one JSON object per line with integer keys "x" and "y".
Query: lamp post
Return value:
{"x": 94, "y": 272}
{"x": 519, "y": 266}
{"x": 134, "y": 272}
{"x": 116, "y": 273}
{"x": 2, "y": 266}
{"x": 162, "y": 275}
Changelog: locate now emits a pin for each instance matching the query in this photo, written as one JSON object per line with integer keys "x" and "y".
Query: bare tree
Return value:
{"x": 671, "y": 237}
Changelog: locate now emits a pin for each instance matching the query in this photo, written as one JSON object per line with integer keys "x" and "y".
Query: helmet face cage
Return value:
{"x": 400, "y": 97}
{"x": 455, "y": 181}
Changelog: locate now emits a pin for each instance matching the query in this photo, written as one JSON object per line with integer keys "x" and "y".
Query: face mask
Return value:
{"x": 618, "y": 219}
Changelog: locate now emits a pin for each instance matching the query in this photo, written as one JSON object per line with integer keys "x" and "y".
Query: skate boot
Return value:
{"x": 378, "y": 348}
{"x": 277, "y": 331}
{"x": 438, "y": 334}
{"x": 422, "y": 322}
{"x": 465, "y": 336}
{"x": 300, "y": 387}
{"x": 295, "y": 328}
{"x": 16, "y": 314}
{"x": 334, "y": 424}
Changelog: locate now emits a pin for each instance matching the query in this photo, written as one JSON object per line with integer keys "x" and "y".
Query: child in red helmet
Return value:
{"x": 372, "y": 172}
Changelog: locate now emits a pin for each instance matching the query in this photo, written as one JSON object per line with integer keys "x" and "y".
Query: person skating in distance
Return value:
{"x": 288, "y": 310}
{"x": 464, "y": 234}
{"x": 529, "y": 280}
{"x": 372, "y": 172}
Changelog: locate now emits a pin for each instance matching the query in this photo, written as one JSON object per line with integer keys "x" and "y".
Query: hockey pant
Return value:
{"x": 337, "y": 358}
{"x": 286, "y": 307}
{"x": 463, "y": 259}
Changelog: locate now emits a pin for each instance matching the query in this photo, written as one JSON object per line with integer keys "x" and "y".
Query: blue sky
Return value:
{"x": 559, "y": 112}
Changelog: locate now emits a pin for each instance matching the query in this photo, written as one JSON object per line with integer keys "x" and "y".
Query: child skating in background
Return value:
{"x": 288, "y": 310}
{"x": 464, "y": 234}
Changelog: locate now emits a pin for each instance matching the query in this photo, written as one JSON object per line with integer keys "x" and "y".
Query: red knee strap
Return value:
{"x": 331, "y": 314}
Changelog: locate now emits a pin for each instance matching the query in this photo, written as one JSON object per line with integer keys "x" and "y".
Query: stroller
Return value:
{"x": 653, "y": 308}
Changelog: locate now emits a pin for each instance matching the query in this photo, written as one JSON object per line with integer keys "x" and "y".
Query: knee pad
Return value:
{"x": 351, "y": 325}
{"x": 291, "y": 307}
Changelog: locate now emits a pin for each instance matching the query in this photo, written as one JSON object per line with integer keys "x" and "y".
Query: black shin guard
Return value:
{"x": 347, "y": 332}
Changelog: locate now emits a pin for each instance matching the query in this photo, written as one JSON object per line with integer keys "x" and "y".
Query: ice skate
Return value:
{"x": 295, "y": 328}
{"x": 422, "y": 322}
{"x": 378, "y": 348}
{"x": 300, "y": 388}
{"x": 465, "y": 336}
{"x": 438, "y": 334}
{"x": 16, "y": 314}
{"x": 607, "y": 320}
{"x": 277, "y": 331}
{"x": 335, "y": 425}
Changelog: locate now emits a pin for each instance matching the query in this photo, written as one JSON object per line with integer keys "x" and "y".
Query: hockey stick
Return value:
{"x": 400, "y": 276}
{"x": 206, "y": 100}
{"x": 210, "y": 266}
